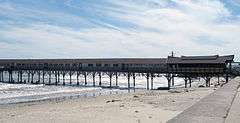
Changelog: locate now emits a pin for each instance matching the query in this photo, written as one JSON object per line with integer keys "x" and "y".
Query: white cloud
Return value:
{"x": 160, "y": 29}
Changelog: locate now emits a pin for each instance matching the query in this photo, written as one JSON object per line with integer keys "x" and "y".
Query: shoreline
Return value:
{"x": 140, "y": 106}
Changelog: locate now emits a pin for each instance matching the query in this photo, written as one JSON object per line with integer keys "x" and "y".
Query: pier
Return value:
{"x": 186, "y": 67}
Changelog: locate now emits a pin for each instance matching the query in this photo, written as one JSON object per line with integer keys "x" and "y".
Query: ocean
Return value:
{"x": 21, "y": 93}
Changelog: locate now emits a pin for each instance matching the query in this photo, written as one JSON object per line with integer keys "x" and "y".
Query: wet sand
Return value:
{"x": 139, "y": 107}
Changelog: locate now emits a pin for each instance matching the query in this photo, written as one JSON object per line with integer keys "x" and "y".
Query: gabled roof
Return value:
{"x": 215, "y": 59}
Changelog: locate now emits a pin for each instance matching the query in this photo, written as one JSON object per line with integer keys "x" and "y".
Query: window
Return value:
{"x": 115, "y": 65}
{"x": 67, "y": 65}
{"x": 90, "y": 65}
{"x": 106, "y": 65}
{"x": 98, "y": 65}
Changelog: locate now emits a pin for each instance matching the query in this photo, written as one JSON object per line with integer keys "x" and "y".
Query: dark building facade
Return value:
{"x": 185, "y": 66}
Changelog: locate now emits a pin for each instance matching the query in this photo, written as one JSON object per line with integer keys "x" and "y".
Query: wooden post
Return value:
{"x": 110, "y": 76}
{"x": 77, "y": 78}
{"x": 64, "y": 78}
{"x": 128, "y": 76}
{"x": 0, "y": 76}
{"x": 151, "y": 81}
{"x": 32, "y": 78}
{"x": 18, "y": 79}
{"x": 116, "y": 79}
{"x": 70, "y": 79}
{"x": 9, "y": 77}
{"x": 28, "y": 77}
{"x": 12, "y": 77}
{"x": 147, "y": 81}
{"x": 85, "y": 77}
{"x": 134, "y": 82}
{"x": 172, "y": 80}
{"x": 93, "y": 79}
{"x": 56, "y": 78}
{"x": 227, "y": 79}
{"x": 208, "y": 79}
{"x": 190, "y": 82}
{"x": 21, "y": 73}
{"x": 43, "y": 77}
{"x": 169, "y": 81}
{"x": 186, "y": 80}
{"x": 100, "y": 78}
{"x": 218, "y": 80}
{"x": 39, "y": 77}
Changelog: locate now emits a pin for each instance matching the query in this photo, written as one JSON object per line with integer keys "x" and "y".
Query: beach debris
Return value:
{"x": 135, "y": 96}
{"x": 150, "y": 117}
{"x": 173, "y": 101}
{"x": 112, "y": 101}
{"x": 186, "y": 90}
{"x": 201, "y": 86}
{"x": 136, "y": 111}
{"x": 121, "y": 106}
{"x": 174, "y": 91}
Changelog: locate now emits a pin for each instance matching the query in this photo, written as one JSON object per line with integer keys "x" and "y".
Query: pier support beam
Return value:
{"x": 94, "y": 79}
{"x": 1, "y": 76}
{"x": 78, "y": 74}
{"x": 64, "y": 78}
{"x": 39, "y": 77}
{"x": 9, "y": 76}
{"x": 152, "y": 81}
{"x": 110, "y": 77}
{"x": 116, "y": 79}
{"x": 32, "y": 77}
{"x": 147, "y": 81}
{"x": 70, "y": 77}
{"x": 28, "y": 77}
{"x": 208, "y": 80}
{"x": 18, "y": 79}
{"x": 100, "y": 78}
{"x": 185, "y": 80}
{"x": 56, "y": 81}
{"x": 43, "y": 77}
{"x": 58, "y": 74}
{"x": 49, "y": 78}
{"x": 21, "y": 76}
{"x": 128, "y": 77}
{"x": 190, "y": 82}
{"x": 85, "y": 78}
{"x": 134, "y": 82}
{"x": 173, "y": 80}
{"x": 227, "y": 78}
{"x": 168, "y": 76}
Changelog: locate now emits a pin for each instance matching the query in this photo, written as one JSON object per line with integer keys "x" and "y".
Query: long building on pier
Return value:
{"x": 185, "y": 66}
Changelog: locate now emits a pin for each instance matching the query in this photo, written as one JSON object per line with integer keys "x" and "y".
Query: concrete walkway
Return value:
{"x": 234, "y": 113}
{"x": 213, "y": 108}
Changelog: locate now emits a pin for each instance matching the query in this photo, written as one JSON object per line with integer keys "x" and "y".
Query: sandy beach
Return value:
{"x": 139, "y": 107}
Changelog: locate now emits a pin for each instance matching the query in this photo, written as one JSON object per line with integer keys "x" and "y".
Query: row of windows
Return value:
{"x": 80, "y": 65}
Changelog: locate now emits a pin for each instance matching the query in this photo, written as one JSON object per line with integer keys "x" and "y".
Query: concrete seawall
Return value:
{"x": 213, "y": 108}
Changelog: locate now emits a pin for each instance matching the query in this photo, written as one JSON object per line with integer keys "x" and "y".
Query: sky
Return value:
{"x": 118, "y": 28}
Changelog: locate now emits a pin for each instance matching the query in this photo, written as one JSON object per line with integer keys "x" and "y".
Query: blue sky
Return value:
{"x": 118, "y": 28}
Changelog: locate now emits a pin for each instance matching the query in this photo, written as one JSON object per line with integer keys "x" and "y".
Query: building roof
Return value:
{"x": 215, "y": 59}
{"x": 100, "y": 60}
